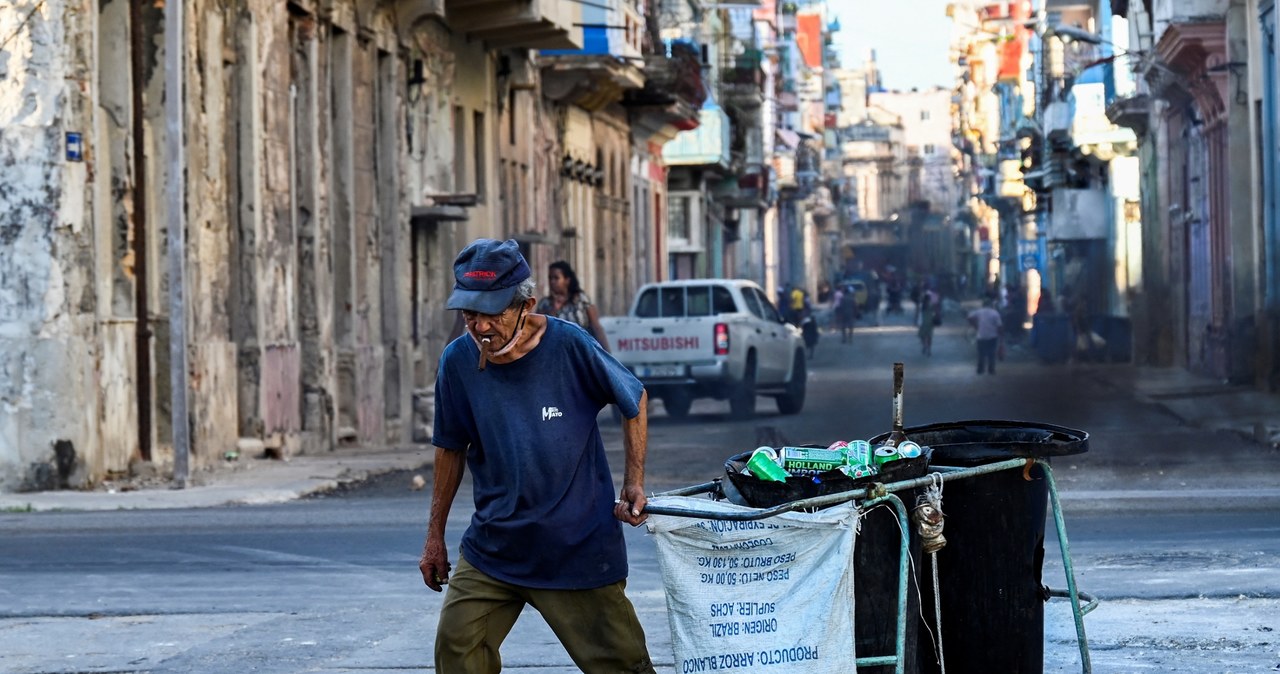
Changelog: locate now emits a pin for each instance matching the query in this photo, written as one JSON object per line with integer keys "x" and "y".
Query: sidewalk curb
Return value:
{"x": 260, "y": 482}
{"x": 1242, "y": 410}
{"x": 1169, "y": 500}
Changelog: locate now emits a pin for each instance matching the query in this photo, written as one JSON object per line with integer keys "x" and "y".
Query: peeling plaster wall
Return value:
{"x": 212, "y": 358}
{"x": 458, "y": 72}
{"x": 300, "y": 180}
{"x": 111, "y": 157}
{"x": 48, "y": 351}
{"x": 615, "y": 253}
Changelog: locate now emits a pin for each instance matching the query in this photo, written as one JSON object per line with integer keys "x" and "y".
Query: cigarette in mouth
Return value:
{"x": 484, "y": 353}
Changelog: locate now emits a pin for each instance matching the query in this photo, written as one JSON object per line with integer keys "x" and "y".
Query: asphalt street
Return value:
{"x": 1171, "y": 525}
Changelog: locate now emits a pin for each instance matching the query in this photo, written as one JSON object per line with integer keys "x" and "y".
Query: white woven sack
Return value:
{"x": 773, "y": 595}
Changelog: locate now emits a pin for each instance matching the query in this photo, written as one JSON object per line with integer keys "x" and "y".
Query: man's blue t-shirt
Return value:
{"x": 543, "y": 491}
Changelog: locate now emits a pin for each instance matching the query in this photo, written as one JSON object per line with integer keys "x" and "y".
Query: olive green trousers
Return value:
{"x": 598, "y": 627}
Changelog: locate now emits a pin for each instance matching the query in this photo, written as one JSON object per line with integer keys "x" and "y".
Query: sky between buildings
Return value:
{"x": 911, "y": 39}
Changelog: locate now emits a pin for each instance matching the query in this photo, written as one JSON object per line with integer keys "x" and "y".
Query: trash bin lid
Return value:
{"x": 995, "y": 440}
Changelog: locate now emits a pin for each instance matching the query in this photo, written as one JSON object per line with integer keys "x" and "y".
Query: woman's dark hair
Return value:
{"x": 566, "y": 271}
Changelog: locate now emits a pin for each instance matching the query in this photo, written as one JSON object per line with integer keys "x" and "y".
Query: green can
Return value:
{"x": 795, "y": 459}
{"x": 856, "y": 472}
{"x": 885, "y": 454}
{"x": 860, "y": 454}
{"x": 764, "y": 465}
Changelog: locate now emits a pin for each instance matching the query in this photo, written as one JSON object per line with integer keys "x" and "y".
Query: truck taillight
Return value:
{"x": 722, "y": 339}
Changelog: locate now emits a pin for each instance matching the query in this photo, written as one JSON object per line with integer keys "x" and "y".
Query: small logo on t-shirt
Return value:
{"x": 551, "y": 413}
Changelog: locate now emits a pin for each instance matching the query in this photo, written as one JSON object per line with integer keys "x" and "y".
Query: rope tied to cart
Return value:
{"x": 929, "y": 520}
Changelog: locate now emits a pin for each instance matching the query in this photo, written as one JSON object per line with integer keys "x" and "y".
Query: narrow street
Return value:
{"x": 331, "y": 584}
{"x": 1131, "y": 445}
{"x": 239, "y": 240}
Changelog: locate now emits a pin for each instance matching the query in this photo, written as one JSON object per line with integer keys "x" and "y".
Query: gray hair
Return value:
{"x": 524, "y": 292}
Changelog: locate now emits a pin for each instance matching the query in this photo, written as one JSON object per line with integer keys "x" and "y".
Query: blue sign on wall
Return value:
{"x": 75, "y": 146}
{"x": 1031, "y": 253}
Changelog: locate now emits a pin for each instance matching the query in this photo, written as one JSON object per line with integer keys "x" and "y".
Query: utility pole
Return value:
{"x": 175, "y": 202}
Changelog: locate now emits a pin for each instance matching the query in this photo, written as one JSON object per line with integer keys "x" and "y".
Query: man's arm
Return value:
{"x": 449, "y": 467}
{"x": 635, "y": 440}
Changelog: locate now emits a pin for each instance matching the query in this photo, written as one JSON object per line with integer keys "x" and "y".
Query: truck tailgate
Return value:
{"x": 644, "y": 342}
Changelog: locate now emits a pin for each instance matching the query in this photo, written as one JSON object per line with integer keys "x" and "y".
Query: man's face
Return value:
{"x": 498, "y": 328}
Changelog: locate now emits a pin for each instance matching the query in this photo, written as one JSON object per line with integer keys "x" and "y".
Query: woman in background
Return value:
{"x": 568, "y": 302}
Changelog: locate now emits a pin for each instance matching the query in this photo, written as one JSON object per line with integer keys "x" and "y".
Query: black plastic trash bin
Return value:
{"x": 989, "y": 572}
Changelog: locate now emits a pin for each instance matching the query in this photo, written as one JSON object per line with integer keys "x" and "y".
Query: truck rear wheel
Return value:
{"x": 792, "y": 401}
{"x": 742, "y": 401}
{"x": 677, "y": 404}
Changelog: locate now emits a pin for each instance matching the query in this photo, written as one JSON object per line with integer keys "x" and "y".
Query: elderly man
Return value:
{"x": 516, "y": 402}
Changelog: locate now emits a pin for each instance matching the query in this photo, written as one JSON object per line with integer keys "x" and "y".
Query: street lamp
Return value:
{"x": 1077, "y": 34}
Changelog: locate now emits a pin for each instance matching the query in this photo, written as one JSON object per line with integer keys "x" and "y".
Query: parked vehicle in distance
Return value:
{"x": 710, "y": 338}
{"x": 860, "y": 292}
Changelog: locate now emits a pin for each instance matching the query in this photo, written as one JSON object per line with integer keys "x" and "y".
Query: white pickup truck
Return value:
{"x": 710, "y": 338}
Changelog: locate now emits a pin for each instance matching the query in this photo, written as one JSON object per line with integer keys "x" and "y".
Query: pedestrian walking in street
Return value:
{"x": 986, "y": 321}
{"x": 567, "y": 301}
{"x": 846, "y": 311}
{"x": 516, "y": 404}
{"x": 809, "y": 331}
{"x": 929, "y": 319}
{"x": 797, "y": 300}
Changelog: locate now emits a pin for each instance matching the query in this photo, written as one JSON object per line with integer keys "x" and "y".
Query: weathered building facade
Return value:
{"x": 336, "y": 156}
{"x": 1169, "y": 223}
{"x": 1207, "y": 250}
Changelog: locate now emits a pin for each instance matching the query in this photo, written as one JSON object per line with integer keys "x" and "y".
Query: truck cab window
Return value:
{"x": 753, "y": 304}
{"x": 647, "y": 305}
{"x": 673, "y": 301}
{"x": 722, "y": 301}
{"x": 699, "y": 299}
{"x": 770, "y": 313}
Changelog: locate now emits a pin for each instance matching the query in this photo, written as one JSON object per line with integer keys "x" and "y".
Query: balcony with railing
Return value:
{"x": 1133, "y": 112}
{"x": 606, "y": 66}
{"x": 529, "y": 24}
{"x": 742, "y": 80}
{"x": 753, "y": 188}
{"x": 673, "y": 91}
{"x": 707, "y": 145}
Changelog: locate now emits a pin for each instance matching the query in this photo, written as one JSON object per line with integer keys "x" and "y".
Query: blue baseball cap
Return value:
{"x": 486, "y": 274}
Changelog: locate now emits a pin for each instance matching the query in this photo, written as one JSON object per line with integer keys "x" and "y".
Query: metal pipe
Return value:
{"x": 899, "y": 659}
{"x": 947, "y": 474}
{"x": 175, "y": 204}
{"x": 704, "y": 488}
{"x": 754, "y": 514}
{"x": 1086, "y": 608}
{"x": 1072, "y": 592}
{"x": 142, "y": 328}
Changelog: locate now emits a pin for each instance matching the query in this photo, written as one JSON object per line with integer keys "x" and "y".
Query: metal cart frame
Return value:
{"x": 884, "y": 493}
